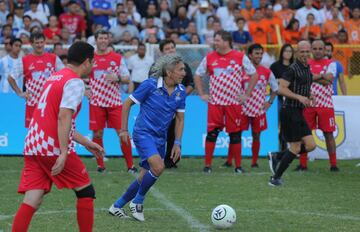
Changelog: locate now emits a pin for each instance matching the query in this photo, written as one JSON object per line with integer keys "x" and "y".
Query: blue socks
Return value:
{"x": 128, "y": 195}
{"x": 149, "y": 180}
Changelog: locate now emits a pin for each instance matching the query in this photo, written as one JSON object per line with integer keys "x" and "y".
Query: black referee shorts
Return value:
{"x": 293, "y": 124}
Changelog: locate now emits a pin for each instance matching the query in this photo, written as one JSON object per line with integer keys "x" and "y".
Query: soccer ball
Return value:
{"x": 223, "y": 216}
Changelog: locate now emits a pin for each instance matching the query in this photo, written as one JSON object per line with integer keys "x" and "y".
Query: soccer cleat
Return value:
{"x": 132, "y": 170}
{"x": 300, "y": 168}
{"x": 255, "y": 165}
{"x": 226, "y": 165}
{"x": 101, "y": 169}
{"x": 137, "y": 211}
{"x": 239, "y": 170}
{"x": 273, "y": 162}
{"x": 334, "y": 169}
{"x": 118, "y": 212}
{"x": 207, "y": 170}
{"x": 275, "y": 182}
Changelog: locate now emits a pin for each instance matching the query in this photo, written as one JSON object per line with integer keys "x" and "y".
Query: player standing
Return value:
{"x": 254, "y": 109}
{"x": 108, "y": 72}
{"x": 162, "y": 97}
{"x": 49, "y": 154}
{"x": 321, "y": 115}
{"x": 226, "y": 68}
{"x": 36, "y": 68}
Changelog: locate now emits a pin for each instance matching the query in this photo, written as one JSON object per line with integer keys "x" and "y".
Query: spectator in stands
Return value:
{"x": 58, "y": 49}
{"x": 7, "y": 47}
{"x": 285, "y": 14}
{"x": 3, "y": 12}
{"x": 152, "y": 39}
{"x": 101, "y": 10}
{"x": 126, "y": 38}
{"x": 272, "y": 23}
{"x": 133, "y": 15}
{"x": 65, "y": 37}
{"x": 310, "y": 31}
{"x": 10, "y": 21}
{"x": 165, "y": 13}
{"x": 258, "y": 28}
{"x": 65, "y": 4}
{"x": 139, "y": 65}
{"x": 190, "y": 30}
{"x": 180, "y": 22}
{"x": 241, "y": 37}
{"x": 344, "y": 10}
{"x": 26, "y": 27}
{"x": 325, "y": 12}
{"x": 113, "y": 21}
{"x": 35, "y": 14}
{"x": 343, "y": 54}
{"x": 122, "y": 27}
{"x": 352, "y": 26}
{"x": 226, "y": 15}
{"x": 135, "y": 41}
{"x": 200, "y": 15}
{"x": 52, "y": 29}
{"x": 150, "y": 28}
{"x": 339, "y": 77}
{"x": 332, "y": 26}
{"x": 43, "y": 7}
{"x": 247, "y": 12}
{"x": 302, "y": 13}
{"x": 6, "y": 32}
{"x": 18, "y": 16}
{"x": 195, "y": 39}
{"x": 352, "y": 4}
{"x": 8, "y": 63}
{"x": 292, "y": 34}
{"x": 152, "y": 12}
{"x": 72, "y": 21}
{"x": 213, "y": 26}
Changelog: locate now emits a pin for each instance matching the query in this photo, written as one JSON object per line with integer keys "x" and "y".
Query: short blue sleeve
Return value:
{"x": 250, "y": 39}
{"x": 181, "y": 105}
{"x": 339, "y": 68}
{"x": 143, "y": 91}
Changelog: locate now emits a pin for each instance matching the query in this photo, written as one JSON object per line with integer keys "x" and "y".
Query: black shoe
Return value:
{"x": 132, "y": 170}
{"x": 255, "y": 165}
{"x": 239, "y": 170}
{"x": 273, "y": 162}
{"x": 207, "y": 170}
{"x": 226, "y": 164}
{"x": 334, "y": 169}
{"x": 300, "y": 168}
{"x": 101, "y": 169}
{"x": 275, "y": 182}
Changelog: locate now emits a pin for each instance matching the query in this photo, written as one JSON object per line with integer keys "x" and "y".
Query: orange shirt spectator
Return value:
{"x": 248, "y": 12}
{"x": 272, "y": 22}
{"x": 343, "y": 54}
{"x": 291, "y": 34}
{"x": 258, "y": 28}
{"x": 310, "y": 31}
{"x": 331, "y": 27}
{"x": 353, "y": 27}
{"x": 285, "y": 14}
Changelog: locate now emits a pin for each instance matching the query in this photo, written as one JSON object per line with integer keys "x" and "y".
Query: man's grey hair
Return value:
{"x": 164, "y": 63}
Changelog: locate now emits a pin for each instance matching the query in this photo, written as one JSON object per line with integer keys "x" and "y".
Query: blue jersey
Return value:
{"x": 339, "y": 70}
{"x": 157, "y": 108}
{"x": 241, "y": 38}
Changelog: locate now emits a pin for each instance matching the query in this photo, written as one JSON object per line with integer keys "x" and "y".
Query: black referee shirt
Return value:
{"x": 300, "y": 79}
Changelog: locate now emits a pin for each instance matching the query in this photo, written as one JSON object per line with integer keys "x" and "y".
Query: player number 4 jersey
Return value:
{"x": 322, "y": 93}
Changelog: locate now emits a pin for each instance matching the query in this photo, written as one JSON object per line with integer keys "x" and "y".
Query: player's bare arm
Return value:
{"x": 124, "y": 133}
{"x": 17, "y": 90}
{"x": 285, "y": 91}
{"x": 199, "y": 88}
{"x": 92, "y": 147}
{"x": 179, "y": 127}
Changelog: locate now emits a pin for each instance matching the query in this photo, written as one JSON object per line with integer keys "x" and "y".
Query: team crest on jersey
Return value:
{"x": 262, "y": 77}
{"x": 31, "y": 67}
{"x": 215, "y": 63}
{"x": 339, "y": 134}
{"x": 94, "y": 64}
{"x": 232, "y": 62}
{"x": 112, "y": 63}
{"x": 177, "y": 98}
{"x": 49, "y": 64}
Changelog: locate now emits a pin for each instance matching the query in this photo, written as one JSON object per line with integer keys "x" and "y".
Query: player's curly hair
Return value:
{"x": 164, "y": 63}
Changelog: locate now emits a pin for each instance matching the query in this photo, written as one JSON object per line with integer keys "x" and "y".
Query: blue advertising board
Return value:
{"x": 13, "y": 132}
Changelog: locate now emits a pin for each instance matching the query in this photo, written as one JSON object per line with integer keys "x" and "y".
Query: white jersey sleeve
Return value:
{"x": 273, "y": 83}
{"x": 72, "y": 94}
{"x": 18, "y": 70}
{"x": 58, "y": 64}
{"x": 248, "y": 66}
{"x": 124, "y": 72}
{"x": 331, "y": 69}
{"x": 202, "y": 69}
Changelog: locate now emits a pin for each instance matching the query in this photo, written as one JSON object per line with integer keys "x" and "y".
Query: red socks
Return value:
{"x": 209, "y": 151}
{"x": 255, "y": 151}
{"x": 99, "y": 161}
{"x": 126, "y": 149}
{"x": 85, "y": 214}
{"x": 332, "y": 159}
{"x": 235, "y": 151}
{"x": 22, "y": 218}
{"x": 303, "y": 160}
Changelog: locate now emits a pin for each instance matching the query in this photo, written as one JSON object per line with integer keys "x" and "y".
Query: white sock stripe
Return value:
{"x": 152, "y": 174}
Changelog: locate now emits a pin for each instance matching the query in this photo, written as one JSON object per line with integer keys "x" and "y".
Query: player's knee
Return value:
{"x": 87, "y": 192}
{"x": 212, "y": 135}
{"x": 98, "y": 134}
{"x": 310, "y": 146}
{"x": 235, "y": 137}
{"x": 295, "y": 148}
{"x": 33, "y": 202}
{"x": 328, "y": 136}
{"x": 158, "y": 169}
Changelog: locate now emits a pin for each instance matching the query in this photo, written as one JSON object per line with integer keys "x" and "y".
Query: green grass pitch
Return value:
{"x": 183, "y": 198}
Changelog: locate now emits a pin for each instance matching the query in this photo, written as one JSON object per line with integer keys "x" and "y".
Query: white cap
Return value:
{"x": 204, "y": 4}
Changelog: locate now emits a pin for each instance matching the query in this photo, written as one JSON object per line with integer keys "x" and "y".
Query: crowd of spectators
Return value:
{"x": 184, "y": 21}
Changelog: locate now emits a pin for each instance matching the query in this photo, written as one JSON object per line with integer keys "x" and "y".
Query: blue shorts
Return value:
{"x": 147, "y": 146}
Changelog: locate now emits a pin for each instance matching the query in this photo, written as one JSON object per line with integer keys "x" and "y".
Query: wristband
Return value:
{"x": 177, "y": 142}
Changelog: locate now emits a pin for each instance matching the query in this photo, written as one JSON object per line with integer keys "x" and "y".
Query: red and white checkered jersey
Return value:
{"x": 254, "y": 106}
{"x": 226, "y": 73}
{"x": 36, "y": 69}
{"x": 106, "y": 93}
{"x": 322, "y": 93}
{"x": 63, "y": 89}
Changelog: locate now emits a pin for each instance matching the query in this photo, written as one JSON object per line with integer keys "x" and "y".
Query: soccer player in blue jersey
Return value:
{"x": 160, "y": 97}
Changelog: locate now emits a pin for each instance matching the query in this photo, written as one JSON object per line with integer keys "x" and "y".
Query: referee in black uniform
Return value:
{"x": 295, "y": 87}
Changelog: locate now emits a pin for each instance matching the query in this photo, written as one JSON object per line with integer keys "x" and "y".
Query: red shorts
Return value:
{"x": 101, "y": 117}
{"x": 224, "y": 116}
{"x": 29, "y": 110}
{"x": 36, "y": 173}
{"x": 320, "y": 118}
{"x": 258, "y": 123}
